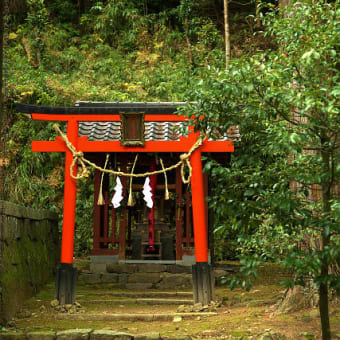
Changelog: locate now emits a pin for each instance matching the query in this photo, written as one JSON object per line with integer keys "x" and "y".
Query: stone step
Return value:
{"x": 144, "y": 294}
{"x": 72, "y": 334}
{"x": 132, "y": 317}
{"x": 153, "y": 301}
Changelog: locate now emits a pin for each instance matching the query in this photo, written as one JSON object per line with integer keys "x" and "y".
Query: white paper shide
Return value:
{"x": 147, "y": 193}
{"x": 118, "y": 195}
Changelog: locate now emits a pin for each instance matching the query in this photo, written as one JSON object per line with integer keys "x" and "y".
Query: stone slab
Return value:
{"x": 144, "y": 278}
{"x": 74, "y": 334}
{"x": 90, "y": 278}
{"x": 15, "y": 210}
{"x": 148, "y": 336}
{"x": 109, "y": 278}
{"x": 151, "y": 268}
{"x": 110, "y": 335}
{"x": 177, "y": 269}
{"x": 104, "y": 258}
{"x": 121, "y": 268}
{"x": 41, "y": 336}
{"x": 175, "y": 280}
{"x": 129, "y": 317}
{"x": 98, "y": 268}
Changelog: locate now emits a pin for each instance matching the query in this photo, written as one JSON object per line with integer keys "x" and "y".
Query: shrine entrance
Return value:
{"x": 122, "y": 233}
{"x": 122, "y": 131}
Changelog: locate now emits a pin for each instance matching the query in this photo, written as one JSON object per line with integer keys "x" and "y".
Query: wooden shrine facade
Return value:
{"x": 123, "y": 231}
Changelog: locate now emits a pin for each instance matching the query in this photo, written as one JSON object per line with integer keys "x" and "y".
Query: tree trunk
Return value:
{"x": 1, "y": 53}
{"x": 323, "y": 290}
{"x": 226, "y": 35}
{"x": 297, "y": 299}
{"x": 186, "y": 27}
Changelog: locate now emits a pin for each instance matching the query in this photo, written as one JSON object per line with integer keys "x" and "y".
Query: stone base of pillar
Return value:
{"x": 65, "y": 288}
{"x": 203, "y": 283}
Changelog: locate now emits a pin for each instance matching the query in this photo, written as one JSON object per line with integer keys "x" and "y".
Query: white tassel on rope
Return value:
{"x": 118, "y": 195}
{"x": 130, "y": 199}
{"x": 165, "y": 181}
{"x": 100, "y": 196}
{"x": 147, "y": 193}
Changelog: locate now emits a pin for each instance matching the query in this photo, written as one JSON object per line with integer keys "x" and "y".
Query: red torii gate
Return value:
{"x": 65, "y": 286}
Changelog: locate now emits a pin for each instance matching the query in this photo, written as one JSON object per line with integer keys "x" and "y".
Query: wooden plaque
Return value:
{"x": 132, "y": 128}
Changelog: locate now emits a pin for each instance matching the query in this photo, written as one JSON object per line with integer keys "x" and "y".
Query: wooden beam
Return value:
{"x": 179, "y": 215}
{"x": 104, "y": 118}
{"x": 151, "y": 146}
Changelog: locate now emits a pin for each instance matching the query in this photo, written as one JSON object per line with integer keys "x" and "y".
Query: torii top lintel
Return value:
{"x": 109, "y": 112}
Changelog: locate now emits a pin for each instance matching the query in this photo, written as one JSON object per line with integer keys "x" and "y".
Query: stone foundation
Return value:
{"x": 142, "y": 276}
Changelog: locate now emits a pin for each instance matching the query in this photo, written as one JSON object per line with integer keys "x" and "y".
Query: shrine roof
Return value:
{"x": 111, "y": 130}
{"x": 154, "y": 131}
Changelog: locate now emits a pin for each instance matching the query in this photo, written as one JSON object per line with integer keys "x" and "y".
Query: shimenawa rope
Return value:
{"x": 78, "y": 156}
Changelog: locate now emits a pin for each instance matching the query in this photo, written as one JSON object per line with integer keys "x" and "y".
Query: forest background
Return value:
{"x": 58, "y": 52}
{"x": 281, "y": 88}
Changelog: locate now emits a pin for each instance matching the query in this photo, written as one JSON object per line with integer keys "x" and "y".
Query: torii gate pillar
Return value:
{"x": 65, "y": 290}
{"x": 203, "y": 285}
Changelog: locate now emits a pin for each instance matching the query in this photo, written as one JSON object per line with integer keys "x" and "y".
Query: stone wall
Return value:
{"x": 29, "y": 245}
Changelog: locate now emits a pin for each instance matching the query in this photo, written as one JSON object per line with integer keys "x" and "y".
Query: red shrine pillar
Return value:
{"x": 66, "y": 274}
{"x": 201, "y": 271}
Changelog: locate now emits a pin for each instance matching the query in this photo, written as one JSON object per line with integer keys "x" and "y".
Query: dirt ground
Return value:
{"x": 241, "y": 314}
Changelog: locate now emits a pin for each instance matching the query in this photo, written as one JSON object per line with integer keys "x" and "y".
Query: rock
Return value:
{"x": 177, "y": 318}
{"x": 109, "y": 278}
{"x": 138, "y": 286}
{"x": 121, "y": 268}
{"x": 97, "y": 268}
{"x": 151, "y": 268}
{"x": 41, "y": 336}
{"x": 181, "y": 309}
{"x": 74, "y": 334}
{"x": 197, "y": 307}
{"x": 198, "y": 318}
{"x": 144, "y": 278}
{"x": 178, "y": 269}
{"x": 175, "y": 280}
{"x": 43, "y": 309}
{"x": 77, "y": 304}
{"x": 54, "y": 303}
{"x": 68, "y": 306}
{"x": 73, "y": 309}
{"x": 110, "y": 335}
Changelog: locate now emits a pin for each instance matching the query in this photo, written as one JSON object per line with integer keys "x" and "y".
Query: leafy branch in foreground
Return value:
{"x": 283, "y": 180}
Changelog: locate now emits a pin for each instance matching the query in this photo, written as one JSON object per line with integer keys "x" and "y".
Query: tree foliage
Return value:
{"x": 286, "y": 104}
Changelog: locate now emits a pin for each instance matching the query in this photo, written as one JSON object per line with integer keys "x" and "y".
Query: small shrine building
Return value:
{"x": 135, "y": 138}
